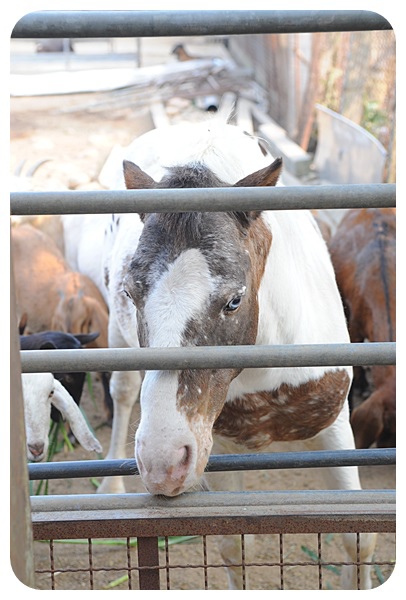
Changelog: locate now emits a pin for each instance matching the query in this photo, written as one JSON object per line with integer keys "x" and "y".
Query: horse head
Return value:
{"x": 194, "y": 280}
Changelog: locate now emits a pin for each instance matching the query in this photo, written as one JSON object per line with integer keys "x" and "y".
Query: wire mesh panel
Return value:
{"x": 285, "y": 540}
{"x": 284, "y": 561}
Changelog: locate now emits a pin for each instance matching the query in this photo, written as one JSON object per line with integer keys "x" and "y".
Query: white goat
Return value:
{"x": 40, "y": 391}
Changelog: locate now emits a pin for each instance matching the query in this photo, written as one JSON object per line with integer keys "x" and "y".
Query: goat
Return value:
{"x": 40, "y": 391}
{"x": 53, "y": 296}
{"x": 363, "y": 254}
{"x": 53, "y": 340}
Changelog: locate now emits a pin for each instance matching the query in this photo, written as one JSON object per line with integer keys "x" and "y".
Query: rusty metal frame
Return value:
{"x": 208, "y": 513}
{"x": 149, "y": 518}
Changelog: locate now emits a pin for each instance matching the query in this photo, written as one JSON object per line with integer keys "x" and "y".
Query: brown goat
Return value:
{"x": 363, "y": 254}
{"x": 50, "y": 293}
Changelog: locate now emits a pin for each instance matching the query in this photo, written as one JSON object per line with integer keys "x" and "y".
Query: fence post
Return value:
{"x": 21, "y": 537}
{"x": 148, "y": 557}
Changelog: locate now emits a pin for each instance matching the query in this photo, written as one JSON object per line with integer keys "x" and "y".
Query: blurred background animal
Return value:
{"x": 53, "y": 297}
{"x": 363, "y": 251}
{"x": 181, "y": 53}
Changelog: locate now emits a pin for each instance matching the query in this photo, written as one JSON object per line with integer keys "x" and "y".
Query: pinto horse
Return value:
{"x": 217, "y": 278}
{"x": 363, "y": 251}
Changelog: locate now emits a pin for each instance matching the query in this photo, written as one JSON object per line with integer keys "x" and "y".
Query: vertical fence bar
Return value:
{"x": 167, "y": 568}
{"x": 148, "y": 557}
{"x": 90, "y": 557}
{"x": 129, "y": 571}
{"x": 21, "y": 536}
{"x": 319, "y": 558}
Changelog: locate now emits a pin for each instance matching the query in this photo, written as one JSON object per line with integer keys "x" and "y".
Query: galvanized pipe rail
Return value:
{"x": 159, "y": 23}
{"x": 224, "y": 462}
{"x": 204, "y": 199}
{"x": 208, "y": 357}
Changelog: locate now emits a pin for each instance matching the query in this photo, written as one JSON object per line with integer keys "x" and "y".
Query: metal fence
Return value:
{"x": 144, "y": 526}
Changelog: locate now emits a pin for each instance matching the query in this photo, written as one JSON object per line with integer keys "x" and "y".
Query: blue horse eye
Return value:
{"x": 233, "y": 304}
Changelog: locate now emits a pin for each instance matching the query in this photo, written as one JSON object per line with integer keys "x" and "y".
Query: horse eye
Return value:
{"x": 233, "y": 304}
{"x": 127, "y": 294}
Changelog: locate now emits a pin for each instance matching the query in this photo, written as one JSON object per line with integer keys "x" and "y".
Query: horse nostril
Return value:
{"x": 182, "y": 461}
{"x": 185, "y": 456}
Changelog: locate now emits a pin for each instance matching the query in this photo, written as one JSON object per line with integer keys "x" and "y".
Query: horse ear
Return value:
{"x": 136, "y": 179}
{"x": 265, "y": 177}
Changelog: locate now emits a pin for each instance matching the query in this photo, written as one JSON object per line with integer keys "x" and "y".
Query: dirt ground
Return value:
{"x": 78, "y": 142}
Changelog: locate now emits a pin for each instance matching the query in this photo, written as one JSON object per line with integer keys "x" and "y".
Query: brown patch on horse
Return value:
{"x": 286, "y": 414}
{"x": 258, "y": 245}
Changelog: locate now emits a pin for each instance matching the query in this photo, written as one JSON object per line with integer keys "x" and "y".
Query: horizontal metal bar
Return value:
{"x": 204, "y": 199}
{"x": 224, "y": 462}
{"x": 208, "y": 357}
{"x": 212, "y": 513}
{"x": 298, "y": 498}
{"x": 76, "y": 24}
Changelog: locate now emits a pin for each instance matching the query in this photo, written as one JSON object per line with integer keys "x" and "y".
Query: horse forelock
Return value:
{"x": 191, "y": 175}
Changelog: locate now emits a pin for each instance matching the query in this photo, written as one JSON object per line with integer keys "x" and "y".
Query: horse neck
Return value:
{"x": 298, "y": 298}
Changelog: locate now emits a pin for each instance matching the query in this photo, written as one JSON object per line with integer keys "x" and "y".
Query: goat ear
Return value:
{"x": 48, "y": 346}
{"x": 86, "y": 338}
{"x": 23, "y": 323}
{"x": 64, "y": 402}
{"x": 265, "y": 177}
{"x": 136, "y": 179}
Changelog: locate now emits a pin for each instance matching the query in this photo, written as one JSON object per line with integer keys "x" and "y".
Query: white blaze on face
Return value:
{"x": 166, "y": 448}
{"x": 180, "y": 294}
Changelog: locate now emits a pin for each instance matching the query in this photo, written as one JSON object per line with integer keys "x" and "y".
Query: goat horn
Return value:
{"x": 19, "y": 168}
{"x": 36, "y": 166}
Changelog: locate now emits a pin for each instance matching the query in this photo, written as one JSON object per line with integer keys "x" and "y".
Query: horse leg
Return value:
{"x": 339, "y": 436}
{"x": 124, "y": 390}
{"x": 230, "y": 545}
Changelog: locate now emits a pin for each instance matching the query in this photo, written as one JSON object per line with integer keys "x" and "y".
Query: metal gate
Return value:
{"x": 148, "y": 523}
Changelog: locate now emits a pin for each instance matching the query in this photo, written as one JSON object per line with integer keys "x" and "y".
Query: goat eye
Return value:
{"x": 51, "y": 393}
{"x": 233, "y": 305}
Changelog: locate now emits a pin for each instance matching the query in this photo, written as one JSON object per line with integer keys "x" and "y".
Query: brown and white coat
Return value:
{"x": 214, "y": 278}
